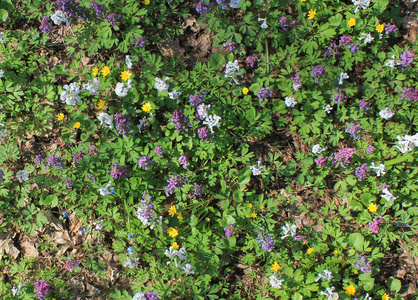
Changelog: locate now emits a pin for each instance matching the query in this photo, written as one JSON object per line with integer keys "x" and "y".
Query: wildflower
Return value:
{"x": 363, "y": 105}
{"x": 70, "y": 95}
{"x": 229, "y": 44}
{"x": 290, "y": 101}
{"x": 172, "y": 210}
{"x": 178, "y": 255}
{"x": 146, "y": 2}
{"x": 340, "y": 97}
{"x": 312, "y": 14}
{"x": 285, "y": 23}
{"x": 386, "y": 113}
{"x": 146, "y": 107}
{"x": 387, "y": 195}
{"x": 202, "y": 7}
{"x": 321, "y": 161}
{"x": 411, "y": 93}
{"x": 245, "y": 91}
{"x": 45, "y": 26}
{"x": 174, "y": 95}
{"x": 317, "y": 72}
{"x": 139, "y": 42}
{"x": 16, "y": 291}
{"x": 345, "y": 40}
{"x": 232, "y": 70}
{"x": 254, "y": 215}
{"x": 250, "y": 206}
{"x": 55, "y": 161}
{"x": 77, "y": 125}
{"x": 1, "y": 73}
{"x": 95, "y": 71}
{"x": 145, "y": 212}
{"x": 275, "y": 267}
{"x": 351, "y": 22}
{"x": 197, "y": 190}
{"x": 330, "y": 293}
{"x": 78, "y": 156}
{"x": 174, "y": 245}
{"x": 172, "y": 232}
{"x": 353, "y": 47}
{"x": 264, "y": 25}
{"x": 119, "y": 171}
{"x": 407, "y": 58}
{"x": 72, "y": 9}
{"x": 105, "y": 120}
{"x": 22, "y": 175}
{"x": 352, "y": 129}
{"x": 289, "y": 230}
{"x": 59, "y": 17}
{"x": 372, "y": 207}
{"x": 380, "y": 169}
{"x": 374, "y": 226}
{"x": 363, "y": 264}
{"x": 350, "y": 290}
{"x": 316, "y": 149}
{"x": 367, "y": 38}
{"x": 327, "y": 109}
{"x": 389, "y": 29}
{"x": 343, "y": 156}
{"x": 42, "y": 289}
{"x": 275, "y": 282}
{"x": 202, "y": 112}
{"x": 158, "y": 150}
{"x": 106, "y": 190}
{"x": 188, "y": 268}
{"x": 364, "y": 4}
{"x": 174, "y": 183}
{"x": 257, "y": 169}
{"x": 229, "y": 230}
{"x": 123, "y": 125}
{"x": 179, "y": 216}
{"x": 98, "y": 224}
{"x": 125, "y": 75}
{"x": 144, "y": 162}
{"x": 342, "y": 77}
{"x": 38, "y": 159}
{"x": 100, "y": 105}
{"x": 160, "y": 84}
{"x": 310, "y": 250}
{"x": 234, "y": 3}
{"x": 113, "y": 19}
{"x": 60, "y": 117}
{"x": 380, "y": 27}
{"x": 128, "y": 62}
{"x": 251, "y": 60}
{"x": 262, "y": 207}
{"x": 71, "y": 263}
{"x": 385, "y": 297}
{"x": 361, "y": 171}
{"x": 369, "y": 149}
{"x": 100, "y": 10}
{"x": 195, "y": 100}
{"x": 121, "y": 89}
{"x": 105, "y": 71}
{"x": 263, "y": 93}
{"x": 296, "y": 81}
{"x": 130, "y": 262}
{"x": 212, "y": 121}
{"x": 335, "y": 252}
{"x": 327, "y": 275}
{"x": 407, "y": 143}
{"x": 266, "y": 241}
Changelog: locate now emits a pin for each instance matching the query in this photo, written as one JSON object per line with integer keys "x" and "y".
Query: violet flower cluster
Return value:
{"x": 363, "y": 264}
{"x": 230, "y": 45}
{"x": 145, "y": 212}
{"x": 203, "y": 7}
{"x": 72, "y": 8}
{"x": 55, "y": 161}
{"x": 118, "y": 171}
{"x": 370, "y": 149}
{"x": 229, "y": 231}
{"x": 158, "y": 150}
{"x": 317, "y": 72}
{"x": 122, "y": 124}
{"x": 407, "y": 58}
{"x": 71, "y": 263}
{"x": 343, "y": 156}
{"x": 78, "y": 156}
{"x": 45, "y": 26}
{"x": 340, "y": 97}
{"x": 361, "y": 171}
{"x": 114, "y": 19}
{"x": 266, "y": 241}
{"x": 1, "y": 176}
{"x": 174, "y": 182}
{"x": 410, "y": 93}
{"x": 285, "y": 23}
{"x": 145, "y": 161}
{"x": 296, "y": 81}
{"x": 139, "y": 42}
{"x": 183, "y": 161}
{"x": 203, "y": 133}
{"x": 42, "y": 289}
{"x": 251, "y": 60}
{"x": 352, "y": 130}
{"x": 363, "y": 105}
{"x": 197, "y": 190}
{"x": 374, "y": 226}
{"x": 100, "y": 9}
{"x": 263, "y": 93}
{"x": 179, "y": 119}
{"x": 321, "y": 161}
{"x": 195, "y": 100}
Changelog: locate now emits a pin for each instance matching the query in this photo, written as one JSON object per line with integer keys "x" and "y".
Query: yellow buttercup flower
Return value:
{"x": 262, "y": 207}
{"x": 77, "y": 125}
{"x": 385, "y": 297}
{"x": 147, "y": 2}
{"x": 312, "y": 14}
{"x": 351, "y": 22}
{"x": 335, "y": 252}
{"x": 380, "y": 27}
{"x": 250, "y": 205}
{"x": 125, "y": 75}
{"x": 174, "y": 245}
{"x": 372, "y": 207}
{"x": 95, "y": 71}
{"x": 60, "y": 117}
{"x": 275, "y": 267}
{"x": 172, "y": 211}
{"x": 350, "y": 290}
{"x": 172, "y": 232}
{"x": 105, "y": 71}
{"x": 245, "y": 91}
{"x": 310, "y": 250}
{"x": 100, "y": 105}
{"x": 302, "y": 0}
{"x": 179, "y": 216}
{"x": 254, "y": 215}
{"x": 146, "y": 107}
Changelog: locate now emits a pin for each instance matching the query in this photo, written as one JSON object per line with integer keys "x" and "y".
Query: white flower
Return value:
{"x": 2, "y": 37}
{"x": 380, "y": 169}
{"x": 128, "y": 62}
{"x": 342, "y": 77}
{"x": 1, "y": 73}
{"x": 327, "y": 275}
{"x": 367, "y": 297}
{"x": 177, "y": 255}
{"x": 202, "y": 110}
{"x": 316, "y": 149}
{"x": 98, "y": 224}
{"x": 275, "y": 282}
{"x": 106, "y": 119}
{"x": 386, "y": 113}
{"x": 3, "y": 133}
{"x": 407, "y": 143}
{"x": 289, "y": 230}
{"x": 387, "y": 195}
{"x": 330, "y": 293}
{"x": 234, "y": 3}
{"x": 60, "y": 17}
{"x": 327, "y": 109}
{"x": 121, "y": 89}
{"x": 22, "y": 175}
{"x": 92, "y": 86}
{"x": 139, "y": 296}
{"x": 257, "y": 169}
{"x": 212, "y": 121}
{"x": 130, "y": 262}
{"x": 296, "y": 86}
{"x": 142, "y": 123}
{"x": 232, "y": 70}
{"x": 160, "y": 84}
{"x": 264, "y": 25}
{"x": 290, "y": 101}
{"x": 364, "y": 4}
{"x": 16, "y": 291}
{"x": 70, "y": 95}
{"x": 188, "y": 268}
{"x": 174, "y": 95}
{"x": 367, "y": 38}
{"x": 105, "y": 191}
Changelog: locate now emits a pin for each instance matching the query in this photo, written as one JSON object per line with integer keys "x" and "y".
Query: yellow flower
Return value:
{"x": 245, "y": 91}
{"x": 262, "y": 207}
{"x": 146, "y": 107}
{"x": 95, "y": 71}
{"x": 172, "y": 211}
{"x": 77, "y": 125}
{"x": 275, "y": 267}
{"x": 385, "y": 297}
{"x": 355, "y": 271}
{"x": 312, "y": 14}
{"x": 100, "y": 105}
{"x": 147, "y": 2}
{"x": 335, "y": 252}
{"x": 174, "y": 245}
{"x": 125, "y": 75}
{"x": 105, "y": 71}
{"x": 60, "y": 117}
{"x": 372, "y": 207}
{"x": 180, "y": 216}
{"x": 172, "y": 232}
{"x": 350, "y": 290}
{"x": 310, "y": 250}
{"x": 351, "y": 22}
{"x": 250, "y": 206}
{"x": 302, "y": 0}
{"x": 254, "y": 215}
{"x": 380, "y": 27}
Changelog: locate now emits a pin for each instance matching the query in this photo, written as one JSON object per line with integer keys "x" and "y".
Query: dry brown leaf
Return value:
{"x": 7, "y": 246}
{"x": 28, "y": 249}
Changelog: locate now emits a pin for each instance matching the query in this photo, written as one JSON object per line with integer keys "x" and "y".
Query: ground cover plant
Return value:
{"x": 226, "y": 149}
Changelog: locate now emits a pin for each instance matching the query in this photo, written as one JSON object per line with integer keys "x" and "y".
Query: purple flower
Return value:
{"x": 55, "y": 161}
{"x": 266, "y": 241}
{"x": 223, "y": 3}
{"x": 151, "y": 296}
{"x": 263, "y": 93}
{"x": 1, "y": 176}
{"x": 71, "y": 263}
{"x": 300, "y": 238}
{"x": 251, "y": 60}
{"x": 229, "y": 230}
{"x": 321, "y": 161}
{"x": 352, "y": 129}
{"x": 362, "y": 171}
{"x": 93, "y": 150}
{"x": 100, "y": 9}
{"x": 38, "y": 159}
{"x": 71, "y": 7}
{"x": 114, "y": 19}
{"x": 389, "y": 29}
{"x": 285, "y": 23}
{"x": 331, "y": 50}
{"x": 68, "y": 183}
{"x": 145, "y": 161}
{"x": 183, "y": 161}
{"x": 407, "y": 58}
{"x": 370, "y": 149}
{"x": 353, "y": 48}
{"x": 197, "y": 190}
{"x": 139, "y": 42}
{"x": 374, "y": 226}
{"x": 344, "y": 40}
{"x": 317, "y": 72}
{"x": 179, "y": 118}
{"x": 78, "y": 156}
{"x": 123, "y": 125}
{"x": 340, "y": 97}
{"x": 158, "y": 150}
{"x": 296, "y": 80}
{"x": 119, "y": 171}
{"x": 343, "y": 156}
{"x": 230, "y": 45}
{"x": 202, "y": 7}
{"x": 42, "y": 288}
{"x": 203, "y": 133}
{"x": 363, "y": 105}
{"x": 195, "y": 100}
{"x": 410, "y": 93}
{"x": 174, "y": 183}
{"x": 45, "y": 26}
{"x": 363, "y": 264}
{"x": 145, "y": 210}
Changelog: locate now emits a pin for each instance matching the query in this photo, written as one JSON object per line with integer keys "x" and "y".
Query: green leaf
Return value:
{"x": 356, "y": 240}
{"x": 238, "y": 196}
{"x": 217, "y": 60}
{"x": 366, "y": 281}
{"x": 336, "y": 20}
{"x": 399, "y": 159}
{"x": 394, "y": 285}
{"x": 4, "y": 15}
